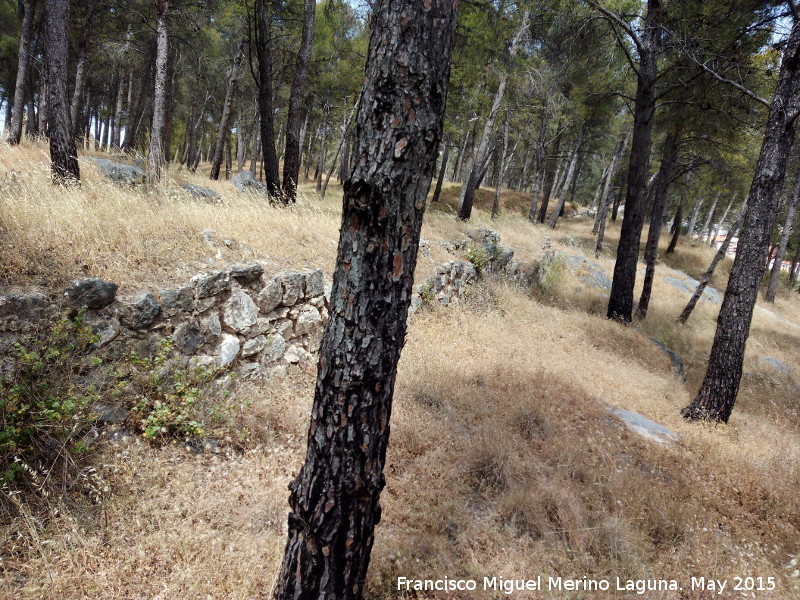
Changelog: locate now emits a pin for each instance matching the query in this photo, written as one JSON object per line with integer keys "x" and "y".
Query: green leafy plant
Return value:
{"x": 44, "y": 407}
{"x": 478, "y": 256}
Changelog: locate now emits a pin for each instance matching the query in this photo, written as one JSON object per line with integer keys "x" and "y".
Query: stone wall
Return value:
{"x": 237, "y": 318}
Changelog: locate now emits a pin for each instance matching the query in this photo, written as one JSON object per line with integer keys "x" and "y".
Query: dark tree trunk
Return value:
{"x": 224, "y": 122}
{"x": 717, "y": 395}
{"x": 169, "y": 109}
{"x": 550, "y": 176}
{"x": 775, "y": 274}
{"x": 294, "y": 120}
{"x": 605, "y": 195}
{"x": 437, "y": 192}
{"x": 541, "y": 153}
{"x": 21, "y": 89}
{"x": 668, "y": 162}
{"x": 723, "y": 250}
{"x": 116, "y": 140}
{"x": 795, "y": 260}
{"x": 335, "y": 499}
{"x": 676, "y": 228}
{"x": 481, "y": 159}
{"x": 63, "y": 154}
{"x": 620, "y": 303}
{"x": 621, "y": 193}
{"x": 155, "y": 161}
{"x": 265, "y": 102}
{"x": 562, "y": 198}
{"x": 80, "y": 84}
{"x": 501, "y": 165}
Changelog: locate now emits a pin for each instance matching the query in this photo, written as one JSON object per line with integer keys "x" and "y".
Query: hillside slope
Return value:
{"x": 504, "y": 459}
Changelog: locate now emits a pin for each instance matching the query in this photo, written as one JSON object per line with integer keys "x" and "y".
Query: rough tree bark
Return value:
{"x": 225, "y": 119}
{"x": 717, "y": 395}
{"x": 335, "y": 499}
{"x": 663, "y": 182}
{"x": 503, "y": 161}
{"x": 23, "y": 67}
{"x": 775, "y": 274}
{"x": 605, "y": 198}
{"x": 294, "y": 120}
{"x": 63, "y": 154}
{"x": 620, "y": 303}
{"x": 550, "y": 176}
{"x": 155, "y": 161}
{"x": 480, "y": 159}
{"x": 265, "y": 102}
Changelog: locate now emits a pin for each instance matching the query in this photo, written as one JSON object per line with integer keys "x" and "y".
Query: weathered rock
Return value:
{"x": 246, "y": 273}
{"x": 776, "y": 364}
{"x": 274, "y": 348}
{"x": 244, "y": 181}
{"x": 285, "y": 328}
{"x": 296, "y": 354}
{"x": 677, "y": 361}
{"x": 293, "y": 287}
{"x": 261, "y": 326}
{"x": 92, "y": 293}
{"x": 315, "y": 284}
{"x": 228, "y": 350}
{"x": 249, "y": 370}
{"x": 271, "y": 296}
{"x": 425, "y": 248}
{"x": 175, "y": 301}
{"x": 106, "y": 331}
{"x": 24, "y": 307}
{"x": 211, "y": 327}
{"x": 203, "y": 304}
{"x": 239, "y": 312}
{"x": 644, "y": 426}
{"x": 139, "y": 311}
{"x": 110, "y": 414}
{"x": 200, "y": 193}
{"x": 588, "y": 272}
{"x": 278, "y": 313}
{"x": 308, "y": 319}
{"x": 119, "y": 172}
{"x": 210, "y": 284}
{"x": 254, "y": 346}
{"x": 188, "y": 337}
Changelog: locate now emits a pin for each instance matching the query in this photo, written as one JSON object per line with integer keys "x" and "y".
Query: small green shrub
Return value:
{"x": 165, "y": 396}
{"x": 478, "y": 256}
{"x": 548, "y": 272}
{"x": 427, "y": 293}
{"x": 44, "y": 407}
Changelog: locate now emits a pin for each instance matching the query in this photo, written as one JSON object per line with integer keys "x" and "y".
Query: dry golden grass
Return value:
{"x": 503, "y": 459}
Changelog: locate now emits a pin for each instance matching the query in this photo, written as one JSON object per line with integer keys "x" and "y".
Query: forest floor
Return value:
{"x": 504, "y": 460}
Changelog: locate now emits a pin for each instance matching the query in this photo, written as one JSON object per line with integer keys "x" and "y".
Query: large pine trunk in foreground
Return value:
{"x": 335, "y": 498}
{"x": 717, "y": 395}
{"x": 63, "y": 154}
{"x": 294, "y": 119}
{"x": 620, "y": 303}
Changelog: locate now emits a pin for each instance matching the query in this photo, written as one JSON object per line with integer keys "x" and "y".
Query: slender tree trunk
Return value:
{"x": 469, "y": 133}
{"x": 480, "y": 160}
{"x": 595, "y": 205}
{"x": 437, "y": 192}
{"x": 723, "y": 250}
{"x": 677, "y": 225}
{"x": 549, "y": 177}
{"x": 704, "y": 233}
{"x": 605, "y": 198}
{"x": 256, "y": 144}
{"x": 321, "y": 156}
{"x": 44, "y": 96}
{"x": 23, "y": 68}
{"x": 717, "y": 395}
{"x": 345, "y": 129}
{"x": 620, "y": 303}
{"x": 668, "y": 162}
{"x": 224, "y": 122}
{"x": 80, "y": 84}
{"x": 63, "y": 154}
{"x": 693, "y": 218}
{"x": 265, "y": 102}
{"x": 795, "y": 260}
{"x": 501, "y": 167}
{"x": 155, "y": 161}
{"x": 291, "y": 159}
{"x": 541, "y": 154}
{"x": 775, "y": 274}
{"x": 562, "y": 198}
{"x": 335, "y": 499}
